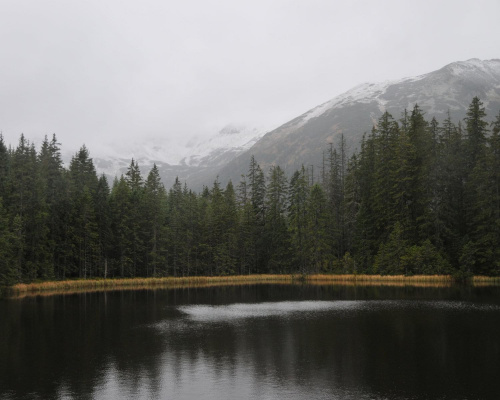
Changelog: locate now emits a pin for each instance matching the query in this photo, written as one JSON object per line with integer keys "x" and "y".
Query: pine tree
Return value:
{"x": 204, "y": 247}
{"x": 216, "y": 226}
{"x": 299, "y": 192}
{"x": 4, "y": 168}
{"x": 335, "y": 190}
{"x": 103, "y": 220}
{"x": 385, "y": 167}
{"x": 155, "y": 197}
{"x": 420, "y": 163}
{"x": 83, "y": 229}
{"x": 7, "y": 254}
{"x": 82, "y": 172}
{"x": 137, "y": 251}
{"x": 224, "y": 226}
{"x": 476, "y": 129}
{"x": 120, "y": 207}
{"x": 246, "y": 237}
{"x": 55, "y": 188}
{"x": 276, "y": 231}
{"x": 352, "y": 203}
{"x": 257, "y": 186}
{"x": 317, "y": 238}
{"x": 475, "y": 177}
{"x": 451, "y": 194}
{"x": 175, "y": 228}
{"x": 484, "y": 185}
{"x": 192, "y": 229}
{"x": 366, "y": 239}
{"x": 27, "y": 200}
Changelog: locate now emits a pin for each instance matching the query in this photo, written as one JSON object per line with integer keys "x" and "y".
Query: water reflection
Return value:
{"x": 253, "y": 342}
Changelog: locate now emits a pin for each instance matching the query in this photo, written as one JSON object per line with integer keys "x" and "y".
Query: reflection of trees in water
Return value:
{"x": 78, "y": 342}
{"x": 71, "y": 341}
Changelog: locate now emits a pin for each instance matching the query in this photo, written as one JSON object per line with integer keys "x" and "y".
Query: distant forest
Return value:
{"x": 418, "y": 198}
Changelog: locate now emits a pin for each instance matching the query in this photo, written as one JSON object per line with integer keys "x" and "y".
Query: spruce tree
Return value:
{"x": 56, "y": 198}
{"x": 298, "y": 197}
{"x": 451, "y": 193}
{"x": 155, "y": 197}
{"x": 257, "y": 186}
{"x": 120, "y": 207}
{"x": 246, "y": 237}
{"x": 4, "y": 168}
{"x": 103, "y": 220}
{"x": 366, "y": 239}
{"x": 484, "y": 223}
{"x": 83, "y": 229}
{"x": 476, "y": 130}
{"x": 7, "y": 254}
{"x": 475, "y": 177}
{"x": 175, "y": 228}
{"x": 318, "y": 241}
{"x": 138, "y": 251}
{"x": 276, "y": 232}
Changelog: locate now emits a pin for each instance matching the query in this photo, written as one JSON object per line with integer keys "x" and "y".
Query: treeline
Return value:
{"x": 418, "y": 198}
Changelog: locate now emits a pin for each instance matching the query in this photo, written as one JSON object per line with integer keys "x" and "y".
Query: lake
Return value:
{"x": 254, "y": 342}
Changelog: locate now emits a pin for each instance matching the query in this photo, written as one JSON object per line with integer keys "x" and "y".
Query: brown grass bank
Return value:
{"x": 94, "y": 285}
{"x": 122, "y": 283}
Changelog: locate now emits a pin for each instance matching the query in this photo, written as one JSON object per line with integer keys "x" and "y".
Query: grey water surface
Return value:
{"x": 254, "y": 342}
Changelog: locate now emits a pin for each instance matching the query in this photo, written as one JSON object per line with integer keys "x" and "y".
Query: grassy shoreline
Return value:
{"x": 92, "y": 285}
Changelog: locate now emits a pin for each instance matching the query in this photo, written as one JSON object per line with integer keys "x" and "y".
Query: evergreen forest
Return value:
{"x": 419, "y": 197}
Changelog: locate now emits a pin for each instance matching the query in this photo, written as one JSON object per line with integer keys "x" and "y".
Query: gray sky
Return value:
{"x": 117, "y": 72}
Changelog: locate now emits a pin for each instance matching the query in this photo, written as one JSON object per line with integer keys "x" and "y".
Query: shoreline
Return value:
{"x": 93, "y": 285}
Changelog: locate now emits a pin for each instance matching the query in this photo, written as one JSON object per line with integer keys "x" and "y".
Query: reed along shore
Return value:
{"x": 91, "y": 285}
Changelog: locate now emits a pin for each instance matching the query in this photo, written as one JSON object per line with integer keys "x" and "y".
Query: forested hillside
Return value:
{"x": 418, "y": 198}
{"x": 302, "y": 139}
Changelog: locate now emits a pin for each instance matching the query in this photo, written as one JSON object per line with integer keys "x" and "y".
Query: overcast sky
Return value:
{"x": 117, "y": 72}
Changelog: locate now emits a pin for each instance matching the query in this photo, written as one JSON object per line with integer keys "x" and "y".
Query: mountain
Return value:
{"x": 203, "y": 160}
{"x": 219, "y": 149}
{"x": 196, "y": 163}
{"x": 302, "y": 140}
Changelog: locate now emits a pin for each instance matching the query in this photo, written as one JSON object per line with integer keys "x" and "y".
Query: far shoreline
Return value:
{"x": 48, "y": 288}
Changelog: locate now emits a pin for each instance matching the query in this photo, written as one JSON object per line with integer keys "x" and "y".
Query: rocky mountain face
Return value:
{"x": 303, "y": 140}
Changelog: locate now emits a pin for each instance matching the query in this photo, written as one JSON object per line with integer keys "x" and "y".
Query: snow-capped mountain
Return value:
{"x": 221, "y": 148}
{"x": 196, "y": 162}
{"x": 302, "y": 140}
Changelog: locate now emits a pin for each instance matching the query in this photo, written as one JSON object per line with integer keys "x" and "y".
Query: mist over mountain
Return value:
{"x": 197, "y": 163}
{"x": 301, "y": 141}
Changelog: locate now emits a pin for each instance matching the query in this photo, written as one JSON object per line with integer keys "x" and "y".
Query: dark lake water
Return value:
{"x": 254, "y": 342}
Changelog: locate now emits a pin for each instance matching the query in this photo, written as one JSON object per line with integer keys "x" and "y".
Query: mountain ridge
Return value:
{"x": 302, "y": 140}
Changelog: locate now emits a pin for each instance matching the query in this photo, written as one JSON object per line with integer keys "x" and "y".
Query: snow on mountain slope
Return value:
{"x": 185, "y": 161}
{"x": 435, "y": 84}
{"x": 229, "y": 142}
{"x": 302, "y": 140}
{"x": 363, "y": 93}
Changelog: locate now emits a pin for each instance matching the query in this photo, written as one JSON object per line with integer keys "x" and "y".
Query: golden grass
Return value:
{"x": 485, "y": 279}
{"x": 383, "y": 278}
{"x": 46, "y": 293}
{"x": 428, "y": 284}
{"x": 99, "y": 285}
{"x": 481, "y": 281}
{"x": 119, "y": 283}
